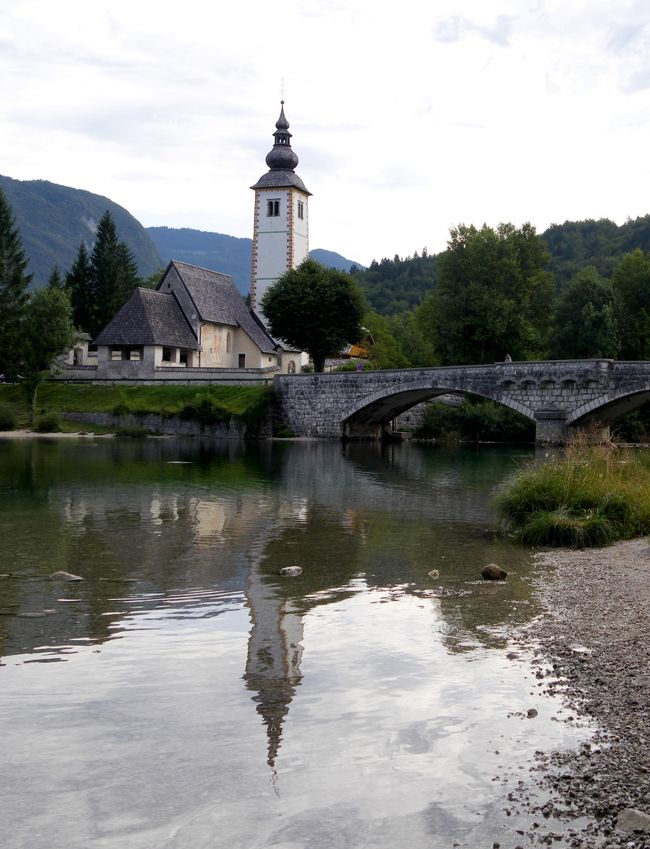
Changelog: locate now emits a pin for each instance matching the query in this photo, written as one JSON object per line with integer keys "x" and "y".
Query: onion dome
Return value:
{"x": 281, "y": 160}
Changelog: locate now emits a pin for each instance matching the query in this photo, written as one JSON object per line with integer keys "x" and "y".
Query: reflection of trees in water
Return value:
{"x": 413, "y": 480}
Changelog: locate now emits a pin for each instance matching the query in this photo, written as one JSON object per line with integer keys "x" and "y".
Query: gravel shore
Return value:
{"x": 593, "y": 644}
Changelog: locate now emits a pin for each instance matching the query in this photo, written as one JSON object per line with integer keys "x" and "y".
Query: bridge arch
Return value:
{"x": 609, "y": 408}
{"x": 376, "y": 409}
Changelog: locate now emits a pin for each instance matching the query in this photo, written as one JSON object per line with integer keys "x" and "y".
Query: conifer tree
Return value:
{"x": 113, "y": 275}
{"x": 14, "y": 281}
{"x": 55, "y": 281}
{"x": 78, "y": 284}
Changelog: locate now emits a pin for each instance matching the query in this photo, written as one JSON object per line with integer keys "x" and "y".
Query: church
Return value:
{"x": 195, "y": 318}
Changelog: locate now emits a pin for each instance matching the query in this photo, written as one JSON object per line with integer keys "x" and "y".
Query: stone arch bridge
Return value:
{"x": 558, "y": 395}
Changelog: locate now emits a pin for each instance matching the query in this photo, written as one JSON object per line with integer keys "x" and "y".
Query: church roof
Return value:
{"x": 149, "y": 318}
{"x": 218, "y": 300}
{"x": 282, "y": 160}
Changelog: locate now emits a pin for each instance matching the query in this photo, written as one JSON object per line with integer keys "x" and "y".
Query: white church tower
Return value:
{"x": 281, "y": 220}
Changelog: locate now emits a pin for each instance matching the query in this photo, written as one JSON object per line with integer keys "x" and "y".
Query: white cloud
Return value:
{"x": 406, "y": 120}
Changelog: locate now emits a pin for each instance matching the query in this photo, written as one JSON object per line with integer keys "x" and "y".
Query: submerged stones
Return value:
{"x": 65, "y": 576}
{"x": 492, "y": 572}
{"x": 434, "y": 573}
{"x": 290, "y": 571}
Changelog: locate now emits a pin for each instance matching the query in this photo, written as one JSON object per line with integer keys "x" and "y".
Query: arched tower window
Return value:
{"x": 228, "y": 343}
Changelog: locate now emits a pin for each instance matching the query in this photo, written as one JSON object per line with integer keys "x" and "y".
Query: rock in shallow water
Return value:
{"x": 291, "y": 571}
{"x": 434, "y": 573}
{"x": 492, "y": 572}
{"x": 65, "y": 576}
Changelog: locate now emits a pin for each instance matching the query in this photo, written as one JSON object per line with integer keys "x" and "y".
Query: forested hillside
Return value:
{"x": 602, "y": 243}
{"x": 393, "y": 286}
{"x": 227, "y": 254}
{"x": 54, "y": 219}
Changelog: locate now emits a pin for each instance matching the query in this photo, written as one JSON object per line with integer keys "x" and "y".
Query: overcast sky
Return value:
{"x": 408, "y": 117}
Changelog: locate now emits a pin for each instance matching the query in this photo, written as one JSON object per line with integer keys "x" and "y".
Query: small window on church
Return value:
{"x": 301, "y": 209}
{"x": 272, "y": 208}
{"x": 228, "y": 343}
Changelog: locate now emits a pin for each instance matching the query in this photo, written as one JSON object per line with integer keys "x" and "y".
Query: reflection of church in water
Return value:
{"x": 274, "y": 655}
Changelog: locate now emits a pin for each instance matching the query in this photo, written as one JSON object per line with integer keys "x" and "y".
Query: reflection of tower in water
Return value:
{"x": 274, "y": 655}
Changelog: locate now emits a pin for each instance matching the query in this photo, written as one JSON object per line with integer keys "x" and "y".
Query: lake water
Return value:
{"x": 186, "y": 695}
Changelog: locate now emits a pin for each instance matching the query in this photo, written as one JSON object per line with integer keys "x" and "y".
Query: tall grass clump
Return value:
{"x": 590, "y": 496}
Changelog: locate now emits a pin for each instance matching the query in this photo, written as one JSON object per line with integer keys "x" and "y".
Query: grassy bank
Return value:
{"x": 208, "y": 405}
{"x": 588, "y": 496}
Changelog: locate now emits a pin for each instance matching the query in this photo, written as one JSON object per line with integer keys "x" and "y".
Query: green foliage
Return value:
{"x": 585, "y": 321}
{"x": 48, "y": 423}
{"x": 416, "y": 333}
{"x": 246, "y": 404}
{"x": 397, "y": 285}
{"x": 315, "y": 309}
{"x": 8, "y": 419}
{"x": 576, "y": 244}
{"x": 48, "y": 332}
{"x": 283, "y": 432}
{"x": 13, "y": 292}
{"x": 475, "y": 420}
{"x": 494, "y": 296}
{"x": 153, "y": 279}
{"x": 383, "y": 347}
{"x": 631, "y": 282}
{"x": 205, "y": 410}
{"x": 55, "y": 280}
{"x": 590, "y": 496}
{"x": 561, "y": 527}
{"x": 78, "y": 284}
{"x": 113, "y": 276}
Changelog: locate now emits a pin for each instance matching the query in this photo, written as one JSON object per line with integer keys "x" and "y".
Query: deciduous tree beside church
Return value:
{"x": 314, "y": 309}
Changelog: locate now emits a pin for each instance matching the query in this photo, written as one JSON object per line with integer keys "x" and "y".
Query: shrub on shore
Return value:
{"x": 8, "y": 420}
{"x": 48, "y": 423}
{"x": 590, "y": 496}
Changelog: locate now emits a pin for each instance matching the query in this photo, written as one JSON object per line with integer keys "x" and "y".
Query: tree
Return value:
{"x": 48, "y": 332}
{"x": 101, "y": 283}
{"x": 585, "y": 321}
{"x": 384, "y": 349}
{"x": 493, "y": 295}
{"x": 55, "y": 281}
{"x": 316, "y": 309}
{"x": 14, "y": 281}
{"x": 79, "y": 285}
{"x": 631, "y": 282}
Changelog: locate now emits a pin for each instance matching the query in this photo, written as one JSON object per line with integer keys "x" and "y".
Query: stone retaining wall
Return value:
{"x": 171, "y": 426}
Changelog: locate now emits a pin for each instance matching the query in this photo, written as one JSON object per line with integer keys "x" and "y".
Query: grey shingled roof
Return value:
{"x": 149, "y": 318}
{"x": 217, "y": 299}
{"x": 280, "y": 180}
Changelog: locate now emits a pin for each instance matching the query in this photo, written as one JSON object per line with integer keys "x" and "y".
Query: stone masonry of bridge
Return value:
{"x": 558, "y": 395}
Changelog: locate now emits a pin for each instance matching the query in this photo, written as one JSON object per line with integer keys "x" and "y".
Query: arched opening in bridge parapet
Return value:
{"x": 369, "y": 417}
